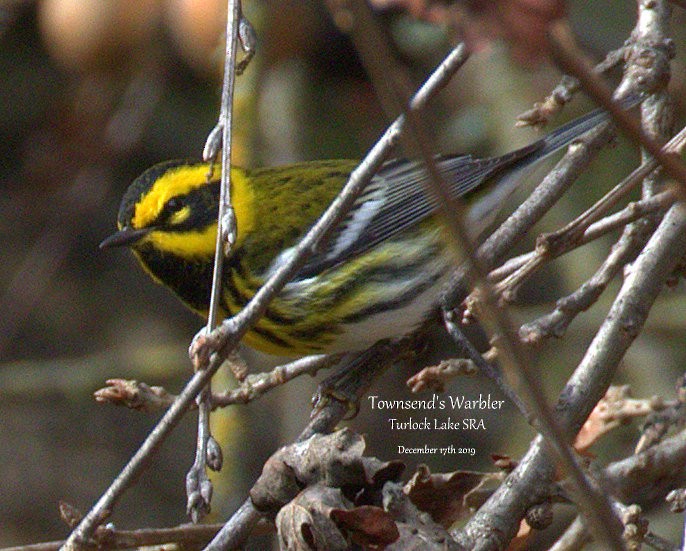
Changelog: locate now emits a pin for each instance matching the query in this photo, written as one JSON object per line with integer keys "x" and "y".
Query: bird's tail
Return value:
{"x": 565, "y": 134}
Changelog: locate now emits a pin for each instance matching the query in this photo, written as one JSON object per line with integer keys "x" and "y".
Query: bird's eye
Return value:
{"x": 174, "y": 204}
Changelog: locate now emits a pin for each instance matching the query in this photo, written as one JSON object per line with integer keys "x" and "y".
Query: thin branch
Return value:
{"x": 567, "y": 308}
{"x": 142, "y": 397}
{"x": 187, "y": 535}
{"x": 258, "y": 384}
{"x": 198, "y": 484}
{"x": 226, "y": 228}
{"x": 563, "y": 93}
{"x": 486, "y": 367}
{"x": 632, "y": 212}
{"x": 435, "y": 377}
{"x": 134, "y": 395}
{"x": 237, "y": 529}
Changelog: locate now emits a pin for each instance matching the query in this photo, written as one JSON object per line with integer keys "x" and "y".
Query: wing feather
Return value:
{"x": 396, "y": 200}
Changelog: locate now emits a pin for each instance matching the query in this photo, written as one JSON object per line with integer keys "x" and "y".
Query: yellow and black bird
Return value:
{"x": 377, "y": 276}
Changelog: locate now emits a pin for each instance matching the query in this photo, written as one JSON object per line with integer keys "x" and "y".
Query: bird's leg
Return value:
{"x": 358, "y": 371}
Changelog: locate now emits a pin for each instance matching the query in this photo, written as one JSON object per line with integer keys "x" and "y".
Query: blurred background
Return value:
{"x": 92, "y": 92}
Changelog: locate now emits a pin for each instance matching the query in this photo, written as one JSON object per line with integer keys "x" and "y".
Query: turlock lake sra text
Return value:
{"x": 438, "y": 402}
{"x": 428, "y": 424}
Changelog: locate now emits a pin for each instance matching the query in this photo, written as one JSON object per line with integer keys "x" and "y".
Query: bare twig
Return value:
{"x": 226, "y": 228}
{"x": 258, "y": 384}
{"x": 435, "y": 377}
{"x": 648, "y": 207}
{"x": 551, "y": 245}
{"x": 542, "y": 111}
{"x": 567, "y": 308}
{"x": 563, "y": 93}
{"x": 139, "y": 396}
{"x": 134, "y": 395}
{"x": 648, "y": 62}
{"x": 486, "y": 367}
{"x": 632, "y": 212}
{"x": 190, "y": 535}
{"x": 198, "y": 484}
{"x": 573, "y": 61}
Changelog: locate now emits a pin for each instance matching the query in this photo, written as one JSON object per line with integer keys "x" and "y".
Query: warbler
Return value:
{"x": 377, "y": 276}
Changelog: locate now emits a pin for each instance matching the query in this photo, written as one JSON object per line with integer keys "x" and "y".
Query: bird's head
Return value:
{"x": 172, "y": 209}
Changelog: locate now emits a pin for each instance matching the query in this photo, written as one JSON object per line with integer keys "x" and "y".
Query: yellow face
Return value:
{"x": 187, "y": 244}
{"x": 181, "y": 224}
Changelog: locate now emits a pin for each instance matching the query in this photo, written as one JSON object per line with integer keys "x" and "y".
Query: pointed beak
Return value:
{"x": 125, "y": 237}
